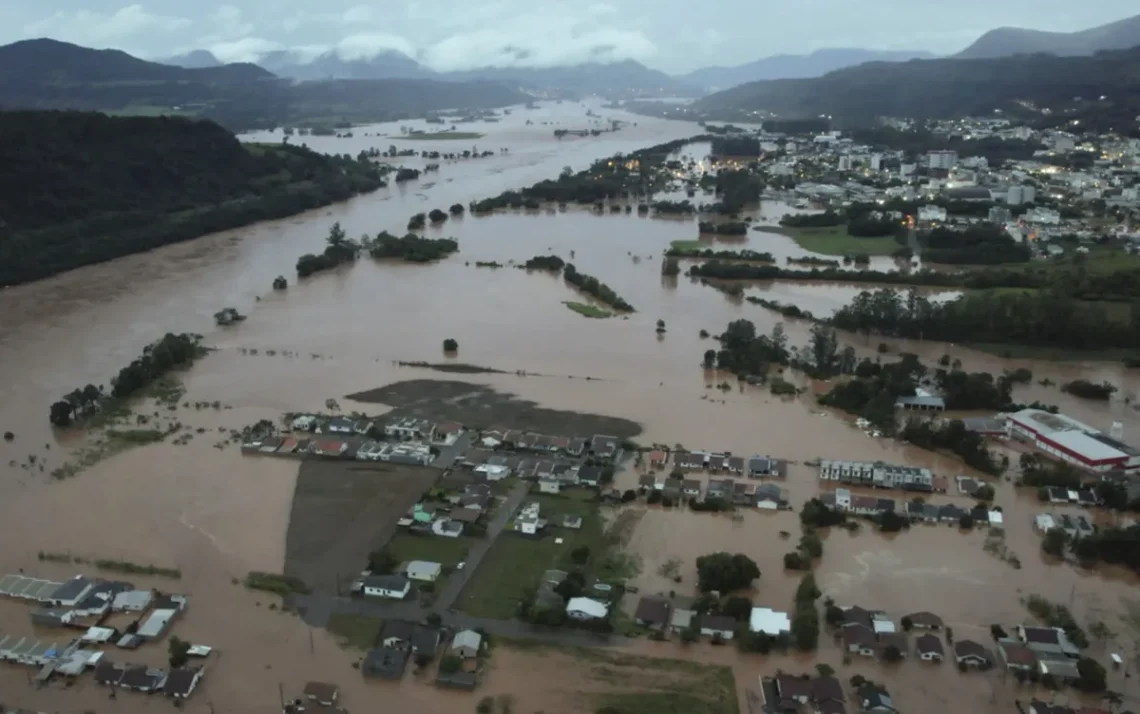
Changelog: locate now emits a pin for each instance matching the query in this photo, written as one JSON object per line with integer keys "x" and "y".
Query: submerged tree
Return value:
{"x": 450, "y": 345}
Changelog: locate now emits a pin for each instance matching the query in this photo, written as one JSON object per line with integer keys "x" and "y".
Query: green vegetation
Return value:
{"x": 356, "y": 631}
{"x": 448, "y": 552}
{"x": 678, "y": 247}
{"x": 510, "y": 572}
{"x": 953, "y": 436}
{"x": 411, "y": 248}
{"x": 136, "y": 436}
{"x": 441, "y": 136}
{"x": 156, "y": 361}
{"x": 123, "y": 566}
{"x": 833, "y": 240}
{"x": 1088, "y": 390}
{"x": 275, "y": 583}
{"x": 748, "y": 256}
{"x": 545, "y": 262}
{"x": 84, "y": 188}
{"x": 805, "y": 619}
{"x": 178, "y": 651}
{"x": 725, "y": 572}
{"x": 595, "y": 288}
{"x": 587, "y": 310}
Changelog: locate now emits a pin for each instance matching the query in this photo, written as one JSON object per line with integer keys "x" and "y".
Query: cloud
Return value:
{"x": 90, "y": 28}
{"x": 246, "y": 49}
{"x": 556, "y": 35}
{"x": 229, "y": 23}
{"x": 368, "y": 45}
{"x": 352, "y": 17}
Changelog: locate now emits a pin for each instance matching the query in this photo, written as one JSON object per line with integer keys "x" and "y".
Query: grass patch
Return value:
{"x": 357, "y": 631}
{"x": 443, "y": 136}
{"x": 1099, "y": 260}
{"x": 586, "y": 310}
{"x": 514, "y": 564}
{"x": 274, "y": 583}
{"x": 688, "y": 245}
{"x": 445, "y": 551}
{"x": 834, "y": 240}
{"x": 128, "y": 568}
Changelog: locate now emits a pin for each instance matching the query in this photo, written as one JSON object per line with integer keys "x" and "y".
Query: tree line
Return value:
{"x": 595, "y": 288}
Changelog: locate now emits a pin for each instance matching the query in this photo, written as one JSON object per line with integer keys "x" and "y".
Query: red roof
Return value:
{"x": 656, "y": 456}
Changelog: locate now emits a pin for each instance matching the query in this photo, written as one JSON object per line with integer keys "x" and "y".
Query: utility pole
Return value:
{"x": 281, "y": 695}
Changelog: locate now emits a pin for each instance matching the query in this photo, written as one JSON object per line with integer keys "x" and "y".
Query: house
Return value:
{"x": 1047, "y": 640}
{"x": 423, "y": 570}
{"x": 397, "y": 634}
{"x": 770, "y": 622}
{"x": 322, "y": 693}
{"x": 70, "y": 593}
{"x": 605, "y": 446}
{"x": 929, "y": 648}
{"x": 768, "y": 497}
{"x": 51, "y": 618}
{"x": 652, "y": 612}
{"x": 921, "y": 403}
{"x": 734, "y": 464}
{"x": 647, "y": 481}
{"x": 584, "y": 608}
{"x": 572, "y": 522}
{"x": 719, "y": 489}
{"x": 761, "y": 466}
{"x": 892, "y": 641}
{"x": 793, "y": 690}
{"x": 873, "y": 698}
{"x": 141, "y": 678}
{"x": 972, "y": 654}
{"x": 924, "y": 620}
{"x": 1060, "y": 669}
{"x": 673, "y": 487}
{"x": 465, "y": 515}
{"x": 166, "y": 608}
{"x": 657, "y": 459}
{"x": 689, "y": 461}
{"x": 447, "y": 528}
{"x": 1039, "y": 707}
{"x": 1017, "y": 656}
{"x": 410, "y": 429}
{"x": 860, "y": 639}
{"x": 590, "y": 476}
{"x": 396, "y": 587}
{"x": 181, "y": 681}
{"x": 527, "y": 520}
{"x": 721, "y": 626}
{"x": 337, "y": 425}
{"x": 576, "y": 446}
{"x": 458, "y": 680}
{"x": 682, "y": 619}
{"x": 547, "y": 485}
{"x": 466, "y": 644}
{"x": 691, "y": 487}
{"x": 384, "y": 663}
{"x": 132, "y": 600}
{"x": 109, "y": 673}
{"x": 493, "y": 472}
{"x": 447, "y": 433}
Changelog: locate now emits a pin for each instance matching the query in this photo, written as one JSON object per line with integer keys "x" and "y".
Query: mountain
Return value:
{"x": 45, "y": 74}
{"x": 816, "y": 64}
{"x": 587, "y": 78}
{"x": 943, "y": 88}
{"x": 330, "y": 65}
{"x": 1008, "y": 41}
{"x": 46, "y": 60}
{"x": 198, "y": 59}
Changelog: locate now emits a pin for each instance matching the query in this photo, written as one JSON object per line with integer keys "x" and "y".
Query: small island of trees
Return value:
{"x": 450, "y": 346}
{"x": 595, "y": 288}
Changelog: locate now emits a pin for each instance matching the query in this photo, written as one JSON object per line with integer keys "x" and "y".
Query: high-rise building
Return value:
{"x": 876, "y": 162}
{"x": 942, "y": 160}
{"x": 1018, "y": 195}
{"x": 844, "y": 163}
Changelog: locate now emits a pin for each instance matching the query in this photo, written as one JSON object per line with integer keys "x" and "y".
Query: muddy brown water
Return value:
{"x": 216, "y": 515}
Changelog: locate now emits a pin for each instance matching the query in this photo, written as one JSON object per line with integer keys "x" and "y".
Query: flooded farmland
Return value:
{"x": 216, "y": 516}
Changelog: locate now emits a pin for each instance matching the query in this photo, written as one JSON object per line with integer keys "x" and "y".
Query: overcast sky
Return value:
{"x": 672, "y": 35}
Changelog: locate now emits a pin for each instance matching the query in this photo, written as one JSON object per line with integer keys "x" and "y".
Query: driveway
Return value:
{"x": 447, "y": 454}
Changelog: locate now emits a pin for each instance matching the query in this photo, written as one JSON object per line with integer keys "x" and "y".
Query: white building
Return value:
{"x": 424, "y": 571}
{"x": 941, "y": 160}
{"x": 770, "y": 622}
{"x": 410, "y": 429}
{"x": 1017, "y": 195}
{"x": 527, "y": 520}
{"x": 1043, "y": 216}
{"x": 844, "y": 163}
{"x": 584, "y": 608}
{"x": 876, "y": 162}
{"x": 929, "y": 214}
{"x": 1074, "y": 442}
{"x": 396, "y": 587}
{"x": 548, "y": 485}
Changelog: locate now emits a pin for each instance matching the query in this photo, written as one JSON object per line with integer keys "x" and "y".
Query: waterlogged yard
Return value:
{"x": 514, "y": 565}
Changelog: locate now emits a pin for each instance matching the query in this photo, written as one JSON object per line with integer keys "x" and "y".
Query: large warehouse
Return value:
{"x": 1070, "y": 440}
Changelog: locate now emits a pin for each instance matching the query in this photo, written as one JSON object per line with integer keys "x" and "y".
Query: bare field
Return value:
{"x": 481, "y": 406}
{"x": 343, "y": 510}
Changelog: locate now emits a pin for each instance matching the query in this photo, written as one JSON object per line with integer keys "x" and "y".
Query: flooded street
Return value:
{"x": 216, "y": 516}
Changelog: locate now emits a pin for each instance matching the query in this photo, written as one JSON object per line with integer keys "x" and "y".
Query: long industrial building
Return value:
{"x": 1079, "y": 444}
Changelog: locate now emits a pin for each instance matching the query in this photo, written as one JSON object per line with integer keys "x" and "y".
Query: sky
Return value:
{"x": 671, "y": 35}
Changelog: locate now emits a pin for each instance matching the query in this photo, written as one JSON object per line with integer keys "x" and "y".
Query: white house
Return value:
{"x": 466, "y": 643}
{"x": 548, "y": 486}
{"x": 770, "y": 622}
{"x": 423, "y": 570}
{"x": 396, "y": 587}
{"x": 410, "y": 429}
{"x": 493, "y": 472}
{"x": 527, "y": 520}
{"x": 584, "y": 608}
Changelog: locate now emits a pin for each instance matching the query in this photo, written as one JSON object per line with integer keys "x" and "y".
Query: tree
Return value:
{"x": 670, "y": 267}
{"x": 450, "y": 664}
{"x": 280, "y": 283}
{"x": 725, "y": 572}
{"x": 61, "y": 413}
{"x": 805, "y": 628}
{"x": 710, "y": 359}
{"x": 1092, "y": 675}
{"x": 179, "y": 651}
{"x": 433, "y": 619}
{"x": 655, "y": 497}
{"x": 807, "y": 591}
{"x": 891, "y": 653}
{"x": 736, "y": 607}
{"x": 486, "y": 705}
{"x": 437, "y": 216}
{"x": 450, "y": 345}
{"x": 811, "y": 544}
{"x": 834, "y": 615}
{"x": 580, "y": 555}
{"x": 794, "y": 561}
{"x": 891, "y": 522}
{"x": 9, "y": 436}
{"x": 907, "y": 623}
{"x": 1054, "y": 542}
{"x": 660, "y": 326}
{"x": 825, "y": 670}
{"x": 628, "y": 495}
{"x": 690, "y": 635}
{"x": 965, "y": 521}
{"x": 456, "y": 209}
{"x": 336, "y": 236}
{"x": 984, "y": 492}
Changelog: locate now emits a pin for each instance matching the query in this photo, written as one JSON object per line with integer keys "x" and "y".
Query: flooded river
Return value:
{"x": 216, "y": 516}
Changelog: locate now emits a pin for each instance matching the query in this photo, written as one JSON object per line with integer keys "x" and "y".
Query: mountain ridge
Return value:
{"x": 1008, "y": 41}
{"x": 796, "y": 66}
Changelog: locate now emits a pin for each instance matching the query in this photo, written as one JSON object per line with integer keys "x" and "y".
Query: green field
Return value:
{"x": 834, "y": 240}
{"x": 684, "y": 246}
{"x": 443, "y": 136}
{"x": 446, "y": 551}
{"x": 586, "y": 310}
{"x": 1099, "y": 259}
{"x": 148, "y": 110}
{"x": 514, "y": 564}
{"x": 358, "y": 631}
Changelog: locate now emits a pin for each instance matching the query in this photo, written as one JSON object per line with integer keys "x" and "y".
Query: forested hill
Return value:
{"x": 943, "y": 88}
{"x": 80, "y": 188}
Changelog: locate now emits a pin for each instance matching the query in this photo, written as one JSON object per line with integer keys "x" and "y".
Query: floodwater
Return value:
{"x": 216, "y": 515}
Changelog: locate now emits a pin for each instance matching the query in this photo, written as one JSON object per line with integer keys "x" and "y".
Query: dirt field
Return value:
{"x": 571, "y": 680}
{"x": 343, "y": 510}
{"x": 480, "y": 406}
